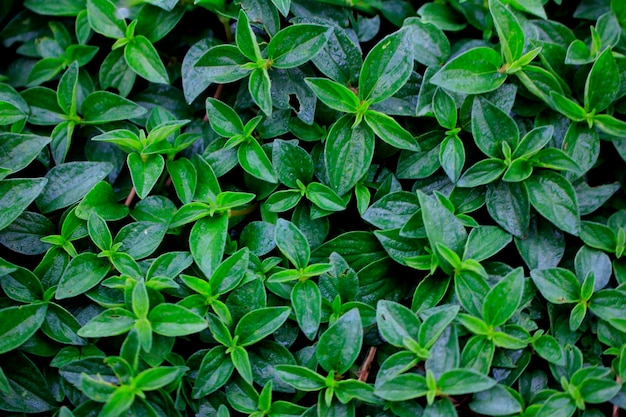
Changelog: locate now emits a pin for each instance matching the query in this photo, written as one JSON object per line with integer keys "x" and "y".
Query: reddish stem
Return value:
{"x": 364, "y": 370}
{"x": 130, "y": 197}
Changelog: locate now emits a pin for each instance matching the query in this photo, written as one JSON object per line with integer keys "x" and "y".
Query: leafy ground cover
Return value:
{"x": 312, "y": 208}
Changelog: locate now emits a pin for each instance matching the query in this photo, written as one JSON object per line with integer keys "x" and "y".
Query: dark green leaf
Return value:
{"x": 82, "y": 274}
{"x": 557, "y": 285}
{"x": 102, "y": 106}
{"x": 142, "y": 57}
{"x": 292, "y": 243}
{"x": 348, "y": 153}
{"x": 386, "y": 68}
{"x": 215, "y": 369}
{"x": 554, "y": 198}
{"x": 339, "y": 346}
{"x": 260, "y": 323}
{"x": 473, "y": 72}
{"x": 16, "y": 195}
{"x": 104, "y": 18}
{"x": 504, "y": 298}
{"x": 19, "y": 323}
{"x": 296, "y": 44}
{"x": 306, "y": 300}
{"x": 602, "y": 84}
{"x": 207, "y": 240}
{"x": 174, "y": 320}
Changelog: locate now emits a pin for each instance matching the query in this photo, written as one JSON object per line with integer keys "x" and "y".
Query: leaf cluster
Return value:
{"x": 312, "y": 208}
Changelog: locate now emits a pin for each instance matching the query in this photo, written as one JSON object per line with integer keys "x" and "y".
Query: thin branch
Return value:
{"x": 364, "y": 370}
{"x": 130, "y": 197}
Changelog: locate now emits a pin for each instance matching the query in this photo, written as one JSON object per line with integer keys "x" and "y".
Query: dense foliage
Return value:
{"x": 313, "y": 208}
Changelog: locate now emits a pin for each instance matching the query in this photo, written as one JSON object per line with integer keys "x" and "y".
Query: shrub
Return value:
{"x": 312, "y": 208}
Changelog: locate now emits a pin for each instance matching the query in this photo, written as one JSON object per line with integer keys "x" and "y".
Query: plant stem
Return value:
{"x": 364, "y": 369}
{"x": 130, "y": 197}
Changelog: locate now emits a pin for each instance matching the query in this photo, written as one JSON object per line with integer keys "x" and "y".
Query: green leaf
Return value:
{"x": 260, "y": 323}
{"x": 508, "y": 204}
{"x": 246, "y": 39}
{"x": 557, "y": 405}
{"x": 567, "y": 107}
{"x": 431, "y": 47}
{"x": 223, "y": 64}
{"x": 393, "y": 210}
{"x": 158, "y": 377}
{"x": 499, "y": 400}
{"x": 283, "y": 200}
{"x": 83, "y": 273}
{"x": 485, "y": 241}
{"x": 482, "y": 172}
{"x": 174, "y": 320}
{"x": 102, "y": 106}
{"x": 436, "y": 323}
{"x": 386, "y": 68}
{"x": 184, "y": 177}
{"x": 557, "y": 285}
{"x": 16, "y": 195}
{"x": 142, "y": 57}
{"x": 60, "y": 8}
{"x": 504, "y": 298}
{"x": 324, "y": 197}
{"x": 348, "y": 153}
{"x": 296, "y": 44}
{"x": 491, "y": 127}
{"x": 444, "y": 108}
{"x": 99, "y": 232}
{"x": 259, "y": 86}
{"x": 452, "y": 157}
{"x": 229, "y": 273}
{"x": 140, "y": 239}
{"x": 19, "y": 323}
{"x": 403, "y": 387}
{"x": 610, "y": 125}
{"x": 534, "y": 141}
{"x": 509, "y": 31}
{"x": 104, "y": 19}
{"x": 241, "y": 360}
{"x": 442, "y": 227}
{"x": 334, "y": 95}
{"x": 549, "y": 348}
{"x": 390, "y": 131}
{"x": 464, "y": 381}
{"x": 396, "y": 323}
{"x": 207, "y": 240}
{"x": 44, "y": 109}
{"x": 300, "y": 377}
{"x": 215, "y": 370}
{"x": 102, "y": 201}
{"x": 555, "y": 199}
{"x": 306, "y": 300}
{"x": 224, "y": 120}
{"x": 340, "y": 344}
{"x": 292, "y": 243}
{"x": 61, "y": 326}
{"x": 292, "y": 163}
{"x": 69, "y": 182}
{"x": 21, "y": 285}
{"x": 255, "y": 162}
{"x": 145, "y": 171}
{"x": 602, "y": 84}
{"x": 111, "y": 322}
{"x": 473, "y": 72}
